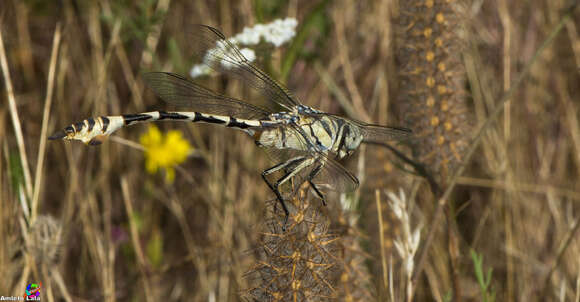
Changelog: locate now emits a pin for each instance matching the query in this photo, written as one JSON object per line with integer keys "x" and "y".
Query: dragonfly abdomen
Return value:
{"x": 93, "y": 131}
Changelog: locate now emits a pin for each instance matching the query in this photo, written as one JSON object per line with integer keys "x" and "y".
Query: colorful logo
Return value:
{"x": 33, "y": 290}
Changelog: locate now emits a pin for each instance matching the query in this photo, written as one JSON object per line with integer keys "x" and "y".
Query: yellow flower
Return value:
{"x": 164, "y": 151}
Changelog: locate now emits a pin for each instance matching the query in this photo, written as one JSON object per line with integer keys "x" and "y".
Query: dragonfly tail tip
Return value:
{"x": 58, "y": 135}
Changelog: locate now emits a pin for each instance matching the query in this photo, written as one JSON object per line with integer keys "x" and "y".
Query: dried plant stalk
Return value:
{"x": 431, "y": 82}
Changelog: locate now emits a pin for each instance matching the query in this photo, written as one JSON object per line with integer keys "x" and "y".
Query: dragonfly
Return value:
{"x": 304, "y": 142}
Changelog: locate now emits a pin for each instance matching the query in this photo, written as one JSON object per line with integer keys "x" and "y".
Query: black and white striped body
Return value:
{"x": 93, "y": 131}
{"x": 322, "y": 133}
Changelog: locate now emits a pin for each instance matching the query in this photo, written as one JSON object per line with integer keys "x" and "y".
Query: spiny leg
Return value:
{"x": 274, "y": 188}
{"x": 318, "y": 192}
{"x": 311, "y": 176}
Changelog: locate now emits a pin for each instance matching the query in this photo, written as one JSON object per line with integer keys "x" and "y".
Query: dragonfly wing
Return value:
{"x": 223, "y": 56}
{"x": 378, "y": 133}
{"x": 281, "y": 155}
{"x": 177, "y": 90}
{"x": 334, "y": 177}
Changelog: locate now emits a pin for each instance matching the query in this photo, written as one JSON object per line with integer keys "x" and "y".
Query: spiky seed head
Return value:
{"x": 44, "y": 239}
{"x": 431, "y": 80}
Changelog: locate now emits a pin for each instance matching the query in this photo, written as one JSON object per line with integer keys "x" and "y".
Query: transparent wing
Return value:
{"x": 378, "y": 133}
{"x": 335, "y": 177}
{"x": 177, "y": 90}
{"x": 222, "y": 56}
{"x": 281, "y": 155}
{"x": 330, "y": 176}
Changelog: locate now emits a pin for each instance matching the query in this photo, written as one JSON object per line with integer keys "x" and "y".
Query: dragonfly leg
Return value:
{"x": 279, "y": 198}
{"x": 274, "y": 187}
{"x": 305, "y": 162}
{"x": 313, "y": 174}
{"x": 318, "y": 193}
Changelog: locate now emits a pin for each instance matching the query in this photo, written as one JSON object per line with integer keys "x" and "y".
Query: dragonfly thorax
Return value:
{"x": 308, "y": 131}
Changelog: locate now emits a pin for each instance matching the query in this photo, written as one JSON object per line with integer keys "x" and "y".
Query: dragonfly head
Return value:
{"x": 351, "y": 140}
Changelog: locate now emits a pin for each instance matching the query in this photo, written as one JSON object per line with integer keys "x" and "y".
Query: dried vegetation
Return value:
{"x": 92, "y": 225}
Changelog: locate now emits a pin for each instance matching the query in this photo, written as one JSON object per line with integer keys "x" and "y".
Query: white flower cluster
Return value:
{"x": 199, "y": 70}
{"x": 277, "y": 33}
{"x": 408, "y": 244}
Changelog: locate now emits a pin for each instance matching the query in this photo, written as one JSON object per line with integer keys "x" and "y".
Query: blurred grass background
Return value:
{"x": 92, "y": 225}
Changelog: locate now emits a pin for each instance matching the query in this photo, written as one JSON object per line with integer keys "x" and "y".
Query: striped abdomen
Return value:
{"x": 93, "y": 131}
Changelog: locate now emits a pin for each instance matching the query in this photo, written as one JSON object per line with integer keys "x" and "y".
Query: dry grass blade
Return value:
{"x": 524, "y": 187}
{"x": 15, "y": 119}
{"x": 142, "y": 263}
{"x": 336, "y": 91}
{"x": 45, "y": 117}
{"x": 566, "y": 243}
{"x": 129, "y": 231}
{"x": 347, "y": 68}
{"x": 382, "y": 240}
